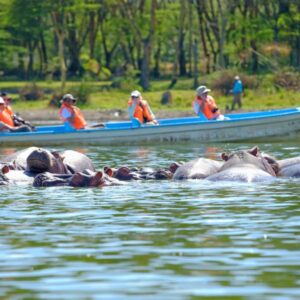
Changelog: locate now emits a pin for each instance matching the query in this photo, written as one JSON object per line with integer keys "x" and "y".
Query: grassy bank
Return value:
{"x": 103, "y": 97}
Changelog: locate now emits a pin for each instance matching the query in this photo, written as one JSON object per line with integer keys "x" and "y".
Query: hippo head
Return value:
{"x": 122, "y": 173}
{"x": 3, "y": 179}
{"x": 49, "y": 179}
{"x": 272, "y": 162}
{"x": 174, "y": 166}
{"x": 241, "y": 154}
{"x": 88, "y": 180}
{"x": 42, "y": 160}
{"x": 252, "y": 156}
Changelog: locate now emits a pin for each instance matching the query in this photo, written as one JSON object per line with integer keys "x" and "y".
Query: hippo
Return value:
{"x": 39, "y": 160}
{"x": 8, "y": 176}
{"x": 289, "y": 167}
{"x": 18, "y": 160}
{"x": 199, "y": 168}
{"x": 244, "y": 166}
{"x": 87, "y": 178}
{"x": 4, "y": 180}
{"x": 125, "y": 173}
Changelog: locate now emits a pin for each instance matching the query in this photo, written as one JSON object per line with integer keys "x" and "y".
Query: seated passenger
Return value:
{"x": 18, "y": 121}
{"x": 6, "y": 121}
{"x": 138, "y": 109}
{"x": 7, "y": 100}
{"x": 70, "y": 114}
{"x": 205, "y": 105}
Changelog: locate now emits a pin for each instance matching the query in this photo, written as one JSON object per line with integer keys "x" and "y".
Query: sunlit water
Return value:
{"x": 154, "y": 239}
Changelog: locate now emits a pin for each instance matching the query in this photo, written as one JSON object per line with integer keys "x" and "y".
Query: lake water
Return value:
{"x": 154, "y": 239}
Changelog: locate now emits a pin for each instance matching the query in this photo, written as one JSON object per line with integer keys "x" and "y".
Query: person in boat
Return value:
{"x": 205, "y": 105}
{"x": 7, "y": 100}
{"x": 139, "y": 109}
{"x": 6, "y": 120}
{"x": 18, "y": 121}
{"x": 70, "y": 114}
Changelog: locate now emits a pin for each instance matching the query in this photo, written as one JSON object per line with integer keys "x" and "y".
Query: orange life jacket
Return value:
{"x": 9, "y": 110}
{"x": 208, "y": 107}
{"x": 78, "y": 118}
{"x": 6, "y": 118}
{"x": 141, "y": 111}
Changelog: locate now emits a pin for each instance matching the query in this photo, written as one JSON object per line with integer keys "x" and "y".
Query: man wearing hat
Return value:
{"x": 139, "y": 109}
{"x": 237, "y": 91}
{"x": 205, "y": 105}
{"x": 70, "y": 114}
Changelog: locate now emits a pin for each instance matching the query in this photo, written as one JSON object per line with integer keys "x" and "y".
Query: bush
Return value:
{"x": 127, "y": 81}
{"x": 287, "y": 80}
{"x": 31, "y": 92}
{"x": 55, "y": 100}
{"x": 225, "y": 79}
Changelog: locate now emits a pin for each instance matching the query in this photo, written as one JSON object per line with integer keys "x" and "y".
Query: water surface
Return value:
{"x": 155, "y": 239}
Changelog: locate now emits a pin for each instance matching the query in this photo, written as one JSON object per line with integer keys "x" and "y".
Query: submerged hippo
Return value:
{"x": 67, "y": 162}
{"x": 25, "y": 164}
{"x": 125, "y": 173}
{"x": 79, "y": 179}
{"x": 42, "y": 160}
{"x": 244, "y": 166}
{"x": 289, "y": 167}
{"x": 199, "y": 168}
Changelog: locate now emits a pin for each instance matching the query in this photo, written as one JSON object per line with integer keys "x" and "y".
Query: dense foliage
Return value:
{"x": 146, "y": 39}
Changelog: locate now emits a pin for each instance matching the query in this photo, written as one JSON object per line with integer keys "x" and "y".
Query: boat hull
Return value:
{"x": 240, "y": 127}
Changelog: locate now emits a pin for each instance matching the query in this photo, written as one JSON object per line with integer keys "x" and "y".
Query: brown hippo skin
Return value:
{"x": 125, "y": 173}
{"x": 79, "y": 179}
{"x": 244, "y": 166}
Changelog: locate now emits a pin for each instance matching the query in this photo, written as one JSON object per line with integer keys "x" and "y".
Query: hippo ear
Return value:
{"x": 109, "y": 171}
{"x": 98, "y": 179}
{"x": 224, "y": 156}
{"x": 58, "y": 155}
{"x": 254, "y": 151}
{"x": 5, "y": 169}
{"x": 173, "y": 167}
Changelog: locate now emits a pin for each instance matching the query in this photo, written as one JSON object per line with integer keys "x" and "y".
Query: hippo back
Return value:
{"x": 77, "y": 162}
{"x": 18, "y": 160}
{"x": 197, "y": 169}
{"x": 289, "y": 167}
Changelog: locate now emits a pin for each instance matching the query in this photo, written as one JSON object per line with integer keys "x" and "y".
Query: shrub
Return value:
{"x": 288, "y": 80}
{"x": 225, "y": 79}
{"x": 82, "y": 93}
{"x": 31, "y": 92}
{"x": 55, "y": 100}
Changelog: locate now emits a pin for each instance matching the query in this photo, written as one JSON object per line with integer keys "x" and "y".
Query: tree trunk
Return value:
{"x": 196, "y": 59}
{"x": 145, "y": 65}
{"x": 63, "y": 68}
{"x": 202, "y": 35}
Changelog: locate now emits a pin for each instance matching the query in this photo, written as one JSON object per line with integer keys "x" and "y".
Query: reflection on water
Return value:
{"x": 153, "y": 240}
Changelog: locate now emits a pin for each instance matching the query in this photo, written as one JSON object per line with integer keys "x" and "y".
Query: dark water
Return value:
{"x": 153, "y": 240}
